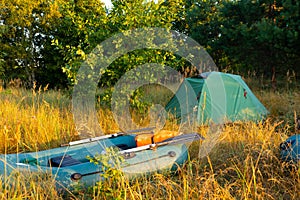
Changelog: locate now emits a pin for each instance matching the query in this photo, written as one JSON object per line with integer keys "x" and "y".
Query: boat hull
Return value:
{"x": 70, "y": 165}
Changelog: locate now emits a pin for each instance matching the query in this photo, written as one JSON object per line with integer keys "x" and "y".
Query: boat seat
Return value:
{"x": 122, "y": 146}
{"x": 63, "y": 161}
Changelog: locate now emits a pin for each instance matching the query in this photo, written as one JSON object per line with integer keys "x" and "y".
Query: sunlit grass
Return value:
{"x": 28, "y": 186}
{"x": 33, "y": 121}
{"x": 243, "y": 165}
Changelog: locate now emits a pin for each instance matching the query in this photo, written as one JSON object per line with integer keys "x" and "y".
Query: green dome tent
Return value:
{"x": 215, "y": 97}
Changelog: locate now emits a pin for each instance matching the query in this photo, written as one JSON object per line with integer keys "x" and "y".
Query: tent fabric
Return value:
{"x": 215, "y": 97}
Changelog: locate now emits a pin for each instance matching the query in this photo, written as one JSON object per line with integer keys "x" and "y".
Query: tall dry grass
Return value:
{"x": 34, "y": 120}
{"x": 244, "y": 164}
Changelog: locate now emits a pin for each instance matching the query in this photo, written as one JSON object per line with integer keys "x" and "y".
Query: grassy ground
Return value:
{"x": 243, "y": 165}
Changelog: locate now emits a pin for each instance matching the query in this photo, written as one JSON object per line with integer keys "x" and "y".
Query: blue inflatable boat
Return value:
{"x": 290, "y": 149}
{"x": 72, "y": 162}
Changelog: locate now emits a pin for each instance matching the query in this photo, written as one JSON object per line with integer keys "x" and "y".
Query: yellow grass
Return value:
{"x": 31, "y": 121}
{"x": 244, "y": 164}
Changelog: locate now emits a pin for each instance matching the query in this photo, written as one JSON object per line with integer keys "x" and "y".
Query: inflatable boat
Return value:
{"x": 71, "y": 163}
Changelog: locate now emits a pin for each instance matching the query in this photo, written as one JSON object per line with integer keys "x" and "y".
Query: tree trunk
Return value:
{"x": 274, "y": 85}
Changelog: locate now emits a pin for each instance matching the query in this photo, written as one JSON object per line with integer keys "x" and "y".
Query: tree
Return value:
{"x": 127, "y": 15}
{"x": 255, "y": 35}
{"x": 203, "y": 24}
{"x": 247, "y": 35}
{"x": 81, "y": 27}
{"x": 88, "y": 24}
{"x": 21, "y": 36}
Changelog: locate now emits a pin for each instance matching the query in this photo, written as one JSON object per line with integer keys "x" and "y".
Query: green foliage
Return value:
{"x": 247, "y": 35}
{"x": 88, "y": 28}
{"x": 24, "y": 29}
{"x": 125, "y": 15}
{"x": 47, "y": 41}
{"x": 81, "y": 27}
{"x": 112, "y": 184}
{"x": 203, "y": 24}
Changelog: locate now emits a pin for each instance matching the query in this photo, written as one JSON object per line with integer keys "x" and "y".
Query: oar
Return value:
{"x": 180, "y": 139}
{"x": 78, "y": 176}
{"x": 88, "y": 140}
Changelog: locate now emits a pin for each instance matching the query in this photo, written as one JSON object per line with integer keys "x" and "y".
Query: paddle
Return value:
{"x": 184, "y": 138}
{"x": 88, "y": 140}
{"x": 181, "y": 139}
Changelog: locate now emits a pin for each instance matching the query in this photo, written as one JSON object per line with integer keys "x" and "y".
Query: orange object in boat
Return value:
{"x": 163, "y": 135}
{"x": 150, "y": 138}
{"x": 144, "y": 139}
